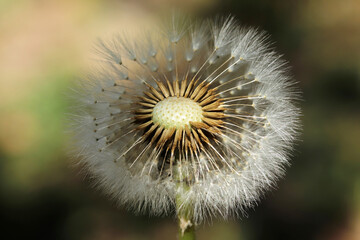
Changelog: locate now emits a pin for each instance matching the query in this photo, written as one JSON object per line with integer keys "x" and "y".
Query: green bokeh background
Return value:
{"x": 44, "y": 47}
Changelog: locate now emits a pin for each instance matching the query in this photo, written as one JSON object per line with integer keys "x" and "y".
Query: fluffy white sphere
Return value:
{"x": 203, "y": 110}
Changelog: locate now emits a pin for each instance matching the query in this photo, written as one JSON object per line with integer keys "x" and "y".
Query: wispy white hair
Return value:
{"x": 260, "y": 125}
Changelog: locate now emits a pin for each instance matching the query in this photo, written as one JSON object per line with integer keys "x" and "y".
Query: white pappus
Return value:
{"x": 206, "y": 110}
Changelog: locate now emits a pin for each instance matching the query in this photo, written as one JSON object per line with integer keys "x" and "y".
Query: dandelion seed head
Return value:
{"x": 208, "y": 105}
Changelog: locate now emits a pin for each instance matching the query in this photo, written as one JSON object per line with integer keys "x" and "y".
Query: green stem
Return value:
{"x": 189, "y": 233}
{"x": 185, "y": 222}
{"x": 184, "y": 211}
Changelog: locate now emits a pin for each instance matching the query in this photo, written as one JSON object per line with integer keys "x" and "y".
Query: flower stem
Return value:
{"x": 184, "y": 211}
{"x": 185, "y": 222}
{"x": 189, "y": 233}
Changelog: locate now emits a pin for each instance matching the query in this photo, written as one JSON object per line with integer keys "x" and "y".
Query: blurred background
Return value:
{"x": 44, "y": 46}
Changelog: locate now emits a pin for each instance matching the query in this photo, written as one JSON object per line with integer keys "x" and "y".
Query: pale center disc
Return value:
{"x": 176, "y": 112}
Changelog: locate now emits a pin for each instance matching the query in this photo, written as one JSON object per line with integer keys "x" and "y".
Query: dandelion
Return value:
{"x": 194, "y": 118}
